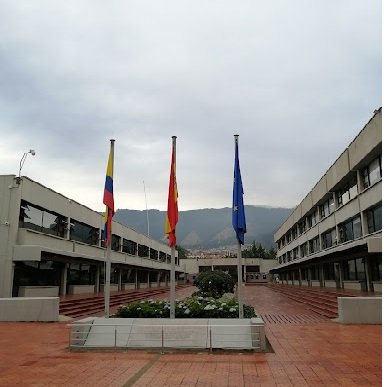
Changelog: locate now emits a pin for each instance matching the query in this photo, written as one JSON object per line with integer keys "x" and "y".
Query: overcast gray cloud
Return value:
{"x": 297, "y": 80}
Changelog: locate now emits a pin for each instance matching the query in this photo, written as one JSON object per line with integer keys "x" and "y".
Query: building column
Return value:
{"x": 299, "y": 276}
{"x": 148, "y": 283}
{"x": 369, "y": 285}
{"x": 322, "y": 275}
{"x": 64, "y": 275}
{"x": 136, "y": 283}
{"x": 97, "y": 279}
{"x": 158, "y": 278}
{"x": 119, "y": 280}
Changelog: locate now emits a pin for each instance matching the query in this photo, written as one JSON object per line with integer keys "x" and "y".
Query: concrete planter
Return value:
{"x": 330, "y": 284}
{"x": 113, "y": 288}
{"x": 128, "y": 286}
{"x": 38, "y": 291}
{"x": 377, "y": 287}
{"x": 81, "y": 289}
{"x": 354, "y": 285}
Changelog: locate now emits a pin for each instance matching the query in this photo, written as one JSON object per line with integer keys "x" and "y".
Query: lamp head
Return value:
{"x": 32, "y": 152}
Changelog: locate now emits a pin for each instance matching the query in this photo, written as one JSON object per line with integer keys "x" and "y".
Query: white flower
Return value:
{"x": 138, "y": 308}
{"x": 142, "y": 302}
{"x": 232, "y": 310}
{"x": 187, "y": 311}
{"x": 220, "y": 308}
{"x": 223, "y": 304}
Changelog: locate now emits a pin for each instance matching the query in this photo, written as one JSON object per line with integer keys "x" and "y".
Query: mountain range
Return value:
{"x": 208, "y": 227}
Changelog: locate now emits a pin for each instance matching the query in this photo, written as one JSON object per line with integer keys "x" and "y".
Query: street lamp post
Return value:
{"x": 22, "y": 161}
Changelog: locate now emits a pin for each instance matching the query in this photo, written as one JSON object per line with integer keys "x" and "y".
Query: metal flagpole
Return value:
{"x": 146, "y": 208}
{"x": 239, "y": 281}
{"x": 107, "y": 287}
{"x": 173, "y": 287}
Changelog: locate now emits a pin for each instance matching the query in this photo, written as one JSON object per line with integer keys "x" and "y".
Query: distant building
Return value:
{"x": 51, "y": 245}
{"x": 253, "y": 269}
{"x": 333, "y": 237}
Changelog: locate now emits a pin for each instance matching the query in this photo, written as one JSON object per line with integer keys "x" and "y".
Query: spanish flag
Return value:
{"x": 173, "y": 212}
{"x": 108, "y": 198}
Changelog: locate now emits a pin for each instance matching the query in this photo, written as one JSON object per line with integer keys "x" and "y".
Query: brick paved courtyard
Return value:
{"x": 308, "y": 351}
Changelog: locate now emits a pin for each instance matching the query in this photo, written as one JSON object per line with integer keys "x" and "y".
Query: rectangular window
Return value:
{"x": 84, "y": 233}
{"x": 39, "y": 219}
{"x": 350, "y": 230}
{"x": 115, "y": 243}
{"x": 374, "y": 219}
{"x": 372, "y": 173}
{"x": 129, "y": 247}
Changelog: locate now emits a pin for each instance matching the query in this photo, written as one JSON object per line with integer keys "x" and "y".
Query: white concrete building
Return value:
{"x": 333, "y": 237}
{"x": 253, "y": 269}
{"x": 51, "y": 245}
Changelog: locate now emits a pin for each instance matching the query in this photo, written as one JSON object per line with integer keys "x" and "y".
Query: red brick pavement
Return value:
{"x": 321, "y": 353}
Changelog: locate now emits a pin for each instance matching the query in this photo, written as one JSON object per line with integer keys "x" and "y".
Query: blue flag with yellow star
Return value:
{"x": 238, "y": 214}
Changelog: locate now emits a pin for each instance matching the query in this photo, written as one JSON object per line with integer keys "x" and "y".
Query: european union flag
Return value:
{"x": 238, "y": 214}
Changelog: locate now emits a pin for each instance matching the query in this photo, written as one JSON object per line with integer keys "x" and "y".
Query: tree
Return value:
{"x": 256, "y": 250}
{"x": 182, "y": 252}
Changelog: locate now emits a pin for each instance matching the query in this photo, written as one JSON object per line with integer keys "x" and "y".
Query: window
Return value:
{"x": 304, "y": 249}
{"x": 39, "y": 219}
{"x": 327, "y": 208}
{"x": 347, "y": 193}
{"x": 354, "y": 269}
{"x": 302, "y": 226}
{"x": 372, "y": 173}
{"x": 162, "y": 256}
{"x": 115, "y": 243}
{"x": 376, "y": 268}
{"x": 329, "y": 271}
{"x": 350, "y": 230}
{"x": 312, "y": 219}
{"x": 314, "y": 245}
{"x": 328, "y": 239}
{"x": 374, "y": 219}
{"x": 129, "y": 247}
{"x": 143, "y": 251}
{"x": 84, "y": 233}
{"x": 154, "y": 254}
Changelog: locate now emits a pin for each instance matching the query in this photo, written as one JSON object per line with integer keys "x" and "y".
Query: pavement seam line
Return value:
{"x": 133, "y": 379}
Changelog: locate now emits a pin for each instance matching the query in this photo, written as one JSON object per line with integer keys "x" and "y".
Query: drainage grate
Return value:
{"x": 293, "y": 319}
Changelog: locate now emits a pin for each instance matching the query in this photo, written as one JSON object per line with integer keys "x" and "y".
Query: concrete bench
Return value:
{"x": 29, "y": 309}
{"x": 359, "y": 310}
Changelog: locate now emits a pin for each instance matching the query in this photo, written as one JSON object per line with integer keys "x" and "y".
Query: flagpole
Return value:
{"x": 239, "y": 281}
{"x": 107, "y": 285}
{"x": 172, "y": 279}
{"x": 239, "y": 261}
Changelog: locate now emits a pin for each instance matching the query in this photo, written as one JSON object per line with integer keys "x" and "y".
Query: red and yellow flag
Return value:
{"x": 173, "y": 212}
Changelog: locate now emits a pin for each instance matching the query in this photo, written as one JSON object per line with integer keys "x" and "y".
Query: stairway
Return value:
{"x": 94, "y": 304}
{"x": 323, "y": 302}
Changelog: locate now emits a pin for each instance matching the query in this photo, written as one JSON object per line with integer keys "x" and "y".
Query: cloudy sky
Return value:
{"x": 297, "y": 80}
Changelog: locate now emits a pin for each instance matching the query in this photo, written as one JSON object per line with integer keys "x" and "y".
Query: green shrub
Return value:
{"x": 214, "y": 283}
{"x": 192, "y": 307}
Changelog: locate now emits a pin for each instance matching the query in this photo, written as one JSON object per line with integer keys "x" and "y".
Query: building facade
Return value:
{"x": 255, "y": 270}
{"x": 51, "y": 245}
{"x": 333, "y": 237}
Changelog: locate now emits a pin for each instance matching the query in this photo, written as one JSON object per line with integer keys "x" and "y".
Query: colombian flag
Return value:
{"x": 173, "y": 212}
{"x": 108, "y": 198}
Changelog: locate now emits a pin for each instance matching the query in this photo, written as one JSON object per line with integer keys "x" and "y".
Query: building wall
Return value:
{"x": 350, "y": 168}
{"x": 26, "y": 244}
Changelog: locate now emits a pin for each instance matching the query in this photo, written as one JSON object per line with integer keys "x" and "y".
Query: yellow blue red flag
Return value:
{"x": 108, "y": 199}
